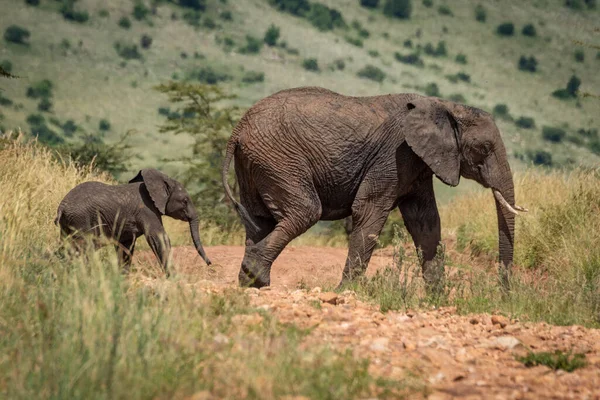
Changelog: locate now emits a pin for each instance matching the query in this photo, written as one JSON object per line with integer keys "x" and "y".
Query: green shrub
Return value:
{"x": 339, "y": 64}
{"x": 576, "y": 140}
{"x": 373, "y": 53}
{"x": 295, "y": 7}
{"x": 125, "y": 22}
{"x": 253, "y": 45}
{"x": 410, "y": 59}
{"x": 408, "y": 44}
{"x": 325, "y": 18}
{"x": 461, "y": 58}
{"x": 528, "y": 64}
{"x": 562, "y": 94}
{"x": 445, "y": 10}
{"x": 209, "y": 23}
{"x": 438, "y": 51}
{"x": 104, "y": 125}
{"x": 480, "y": 13}
{"x": 579, "y": 55}
{"x": 6, "y": 65}
{"x": 501, "y": 111}
{"x": 39, "y": 129}
{"x": 557, "y": 360}
{"x": 362, "y": 32}
{"x": 460, "y": 76}
{"x": 579, "y": 4}
{"x": 354, "y": 41}
{"x": 594, "y": 146}
{"x": 369, "y": 3}
{"x": 311, "y": 64}
{"x": 588, "y": 133}
{"x": 69, "y": 128}
{"x": 428, "y": 3}
{"x": 44, "y": 105}
{"x": 371, "y": 72}
{"x": 5, "y": 102}
{"x": 193, "y": 18}
{"x": 458, "y": 98}
{"x": 40, "y": 89}
{"x": 529, "y": 30}
{"x": 272, "y": 35}
{"x": 140, "y": 11}
{"x": 398, "y": 8}
{"x": 209, "y": 76}
{"x": 570, "y": 91}
{"x": 432, "y": 89}
{"x": 104, "y": 13}
{"x": 226, "y": 15}
{"x": 253, "y": 77}
{"x": 146, "y": 41}
{"x": 525, "y": 122}
{"x": 128, "y": 51}
{"x": 506, "y": 29}
{"x": 553, "y": 134}
{"x": 67, "y": 9}
{"x": 34, "y": 3}
{"x": 540, "y": 157}
{"x": 17, "y": 34}
{"x": 198, "y": 5}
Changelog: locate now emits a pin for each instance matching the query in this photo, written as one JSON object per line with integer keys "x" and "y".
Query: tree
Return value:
{"x": 201, "y": 114}
{"x": 272, "y": 35}
{"x": 398, "y": 8}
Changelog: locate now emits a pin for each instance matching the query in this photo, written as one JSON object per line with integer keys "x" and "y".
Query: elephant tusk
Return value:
{"x": 504, "y": 203}
{"x": 519, "y": 208}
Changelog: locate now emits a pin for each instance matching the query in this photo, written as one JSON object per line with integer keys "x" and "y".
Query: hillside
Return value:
{"x": 92, "y": 82}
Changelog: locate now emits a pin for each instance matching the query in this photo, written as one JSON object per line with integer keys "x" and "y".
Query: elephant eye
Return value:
{"x": 486, "y": 149}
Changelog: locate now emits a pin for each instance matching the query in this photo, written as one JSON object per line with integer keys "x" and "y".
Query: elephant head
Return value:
{"x": 171, "y": 199}
{"x": 455, "y": 140}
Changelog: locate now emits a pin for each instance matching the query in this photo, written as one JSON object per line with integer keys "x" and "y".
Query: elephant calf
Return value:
{"x": 125, "y": 212}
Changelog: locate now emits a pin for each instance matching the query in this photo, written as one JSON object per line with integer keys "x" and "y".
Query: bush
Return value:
{"x": 553, "y": 134}
{"x": 128, "y": 51}
{"x": 445, "y": 10}
{"x": 354, "y": 41}
{"x": 44, "y": 105}
{"x": 398, "y": 8}
{"x": 5, "y": 102}
{"x": 253, "y": 45}
{"x": 311, "y": 64}
{"x": 480, "y": 13}
{"x": 432, "y": 89}
{"x": 45, "y": 135}
{"x": 579, "y": 55}
{"x": 408, "y": 44}
{"x": 461, "y": 58}
{"x": 460, "y": 76}
{"x": 16, "y": 34}
{"x": 34, "y": 3}
{"x": 198, "y": 5}
{"x": 529, "y": 30}
{"x": 362, "y": 32}
{"x": 371, "y": 72}
{"x": 579, "y": 4}
{"x": 140, "y": 11}
{"x": 6, "y": 65}
{"x": 209, "y": 76}
{"x": 570, "y": 91}
{"x": 374, "y": 53}
{"x": 527, "y": 64}
{"x": 525, "y": 122}
{"x": 439, "y": 51}
{"x": 588, "y": 133}
{"x": 69, "y": 128}
{"x": 40, "y": 89}
{"x": 146, "y": 41}
{"x": 226, "y": 15}
{"x": 253, "y": 77}
{"x": 295, "y": 7}
{"x": 506, "y": 29}
{"x": 410, "y": 59}
{"x": 325, "y": 18}
{"x": 540, "y": 157}
{"x": 557, "y": 360}
{"x": 125, "y": 22}
{"x": 428, "y": 3}
{"x": 67, "y": 9}
{"x": 457, "y": 98}
{"x": 501, "y": 110}
{"x": 271, "y": 35}
{"x": 104, "y": 125}
{"x": 339, "y": 64}
{"x": 369, "y": 3}
{"x": 594, "y": 146}
{"x": 209, "y": 23}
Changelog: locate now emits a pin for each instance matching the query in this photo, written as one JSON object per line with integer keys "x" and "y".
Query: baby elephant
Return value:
{"x": 125, "y": 212}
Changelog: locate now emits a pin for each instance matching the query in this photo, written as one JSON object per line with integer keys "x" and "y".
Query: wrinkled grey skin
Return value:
{"x": 309, "y": 154}
{"x": 125, "y": 212}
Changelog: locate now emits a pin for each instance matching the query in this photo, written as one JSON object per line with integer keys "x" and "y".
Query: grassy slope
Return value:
{"x": 90, "y": 83}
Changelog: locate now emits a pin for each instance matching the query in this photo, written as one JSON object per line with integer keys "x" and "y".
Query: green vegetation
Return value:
{"x": 428, "y": 3}
{"x": 253, "y": 77}
{"x": 437, "y": 51}
{"x": 319, "y": 15}
{"x": 480, "y": 13}
{"x": 125, "y": 22}
{"x": 553, "y": 134}
{"x": 570, "y": 91}
{"x": 140, "y": 11}
{"x": 579, "y": 55}
{"x": 369, "y": 3}
{"x": 525, "y": 122}
{"x": 461, "y": 58}
{"x": 506, "y": 29}
{"x": 272, "y": 35}
{"x": 529, "y": 30}
{"x": 432, "y": 89}
{"x": 128, "y": 51}
{"x": 311, "y": 64}
{"x": 17, "y": 34}
{"x": 445, "y": 10}
{"x": 557, "y": 360}
{"x": 410, "y": 59}
{"x": 371, "y": 72}
{"x": 253, "y": 45}
{"x": 528, "y": 64}
{"x": 401, "y": 9}
{"x": 68, "y": 11}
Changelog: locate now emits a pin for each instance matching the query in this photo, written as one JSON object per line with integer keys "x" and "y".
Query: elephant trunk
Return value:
{"x": 194, "y": 230}
{"x": 505, "y": 209}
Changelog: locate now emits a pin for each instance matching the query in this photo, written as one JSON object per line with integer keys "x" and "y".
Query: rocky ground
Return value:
{"x": 458, "y": 356}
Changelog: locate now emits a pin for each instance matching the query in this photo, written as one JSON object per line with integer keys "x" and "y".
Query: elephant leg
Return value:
{"x": 422, "y": 220}
{"x": 161, "y": 246}
{"x": 125, "y": 250}
{"x": 367, "y": 223}
{"x": 295, "y": 218}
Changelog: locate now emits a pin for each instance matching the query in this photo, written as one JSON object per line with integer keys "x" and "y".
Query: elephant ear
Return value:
{"x": 157, "y": 184}
{"x": 432, "y": 133}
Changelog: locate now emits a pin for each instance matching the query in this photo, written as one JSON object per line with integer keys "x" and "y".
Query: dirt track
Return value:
{"x": 458, "y": 356}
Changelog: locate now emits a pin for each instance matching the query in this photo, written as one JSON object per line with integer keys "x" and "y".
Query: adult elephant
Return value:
{"x": 308, "y": 154}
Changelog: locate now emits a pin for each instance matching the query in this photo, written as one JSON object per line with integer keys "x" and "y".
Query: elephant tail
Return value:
{"x": 240, "y": 209}
{"x": 58, "y": 215}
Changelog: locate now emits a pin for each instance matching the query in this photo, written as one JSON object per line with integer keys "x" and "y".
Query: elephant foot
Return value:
{"x": 249, "y": 278}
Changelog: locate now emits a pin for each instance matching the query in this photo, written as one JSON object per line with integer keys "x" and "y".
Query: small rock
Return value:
{"x": 380, "y": 344}
{"x": 506, "y": 342}
{"x": 329, "y": 297}
{"x": 499, "y": 320}
{"x": 316, "y": 290}
{"x": 203, "y": 395}
{"x": 474, "y": 321}
{"x": 251, "y": 290}
{"x": 221, "y": 339}
{"x": 265, "y": 288}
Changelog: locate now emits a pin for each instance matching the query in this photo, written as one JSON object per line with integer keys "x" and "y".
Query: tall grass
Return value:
{"x": 76, "y": 328}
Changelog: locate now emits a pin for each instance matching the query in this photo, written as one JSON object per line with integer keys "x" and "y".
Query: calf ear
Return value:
{"x": 158, "y": 186}
{"x": 433, "y": 134}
